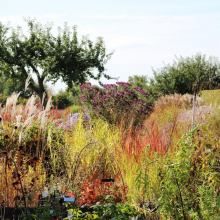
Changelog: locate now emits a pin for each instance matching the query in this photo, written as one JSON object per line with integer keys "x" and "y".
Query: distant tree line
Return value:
{"x": 185, "y": 75}
{"x": 64, "y": 57}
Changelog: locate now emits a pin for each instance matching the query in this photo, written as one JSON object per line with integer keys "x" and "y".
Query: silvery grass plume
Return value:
{"x": 12, "y": 100}
{"x": 27, "y": 82}
{"x": 11, "y": 103}
{"x": 21, "y": 110}
{"x": 32, "y": 111}
{"x": 31, "y": 107}
{"x": 44, "y": 114}
{"x": 188, "y": 99}
{"x": 43, "y": 120}
{"x": 18, "y": 120}
{"x": 25, "y": 126}
{"x": 48, "y": 106}
{"x": 183, "y": 101}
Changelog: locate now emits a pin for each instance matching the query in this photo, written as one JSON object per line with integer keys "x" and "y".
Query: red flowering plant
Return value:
{"x": 116, "y": 102}
{"x": 93, "y": 189}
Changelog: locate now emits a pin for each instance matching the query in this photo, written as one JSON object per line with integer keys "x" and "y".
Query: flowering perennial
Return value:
{"x": 115, "y": 102}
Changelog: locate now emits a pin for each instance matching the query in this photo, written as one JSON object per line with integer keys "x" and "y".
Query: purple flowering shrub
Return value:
{"x": 116, "y": 102}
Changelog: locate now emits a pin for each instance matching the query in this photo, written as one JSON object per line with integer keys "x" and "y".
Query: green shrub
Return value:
{"x": 63, "y": 99}
{"x": 22, "y": 101}
{"x": 3, "y": 98}
{"x": 184, "y": 185}
{"x": 184, "y": 75}
{"x": 109, "y": 210}
{"x": 74, "y": 108}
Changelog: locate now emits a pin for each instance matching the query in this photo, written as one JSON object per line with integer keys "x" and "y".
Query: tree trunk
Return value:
{"x": 41, "y": 90}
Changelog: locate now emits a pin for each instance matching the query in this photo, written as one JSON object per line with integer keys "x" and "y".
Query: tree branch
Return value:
{"x": 34, "y": 68}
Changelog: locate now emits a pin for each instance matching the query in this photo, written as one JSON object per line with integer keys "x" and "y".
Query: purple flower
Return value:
{"x": 73, "y": 119}
{"x": 123, "y": 83}
{"x": 95, "y": 89}
{"x": 119, "y": 99}
{"x": 109, "y": 86}
{"x": 139, "y": 89}
{"x": 85, "y": 86}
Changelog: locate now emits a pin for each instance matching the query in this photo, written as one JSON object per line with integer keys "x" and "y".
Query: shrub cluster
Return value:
{"x": 116, "y": 102}
{"x": 66, "y": 99}
{"x": 63, "y": 99}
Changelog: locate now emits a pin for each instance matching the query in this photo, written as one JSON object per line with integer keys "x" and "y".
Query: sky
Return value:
{"x": 143, "y": 34}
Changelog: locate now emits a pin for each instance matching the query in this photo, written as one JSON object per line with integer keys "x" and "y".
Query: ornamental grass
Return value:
{"x": 162, "y": 167}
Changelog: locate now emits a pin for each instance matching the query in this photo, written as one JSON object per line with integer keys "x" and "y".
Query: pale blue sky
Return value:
{"x": 144, "y": 34}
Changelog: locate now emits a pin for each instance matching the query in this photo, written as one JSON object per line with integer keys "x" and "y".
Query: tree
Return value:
{"x": 50, "y": 58}
{"x": 9, "y": 85}
{"x": 139, "y": 81}
{"x": 185, "y": 75}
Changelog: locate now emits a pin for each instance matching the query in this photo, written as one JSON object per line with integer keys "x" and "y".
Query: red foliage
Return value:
{"x": 152, "y": 136}
{"x": 93, "y": 189}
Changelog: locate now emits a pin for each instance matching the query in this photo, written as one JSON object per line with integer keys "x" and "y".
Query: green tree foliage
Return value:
{"x": 75, "y": 90}
{"x": 50, "y": 58}
{"x": 185, "y": 75}
{"x": 139, "y": 81}
{"x": 9, "y": 85}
